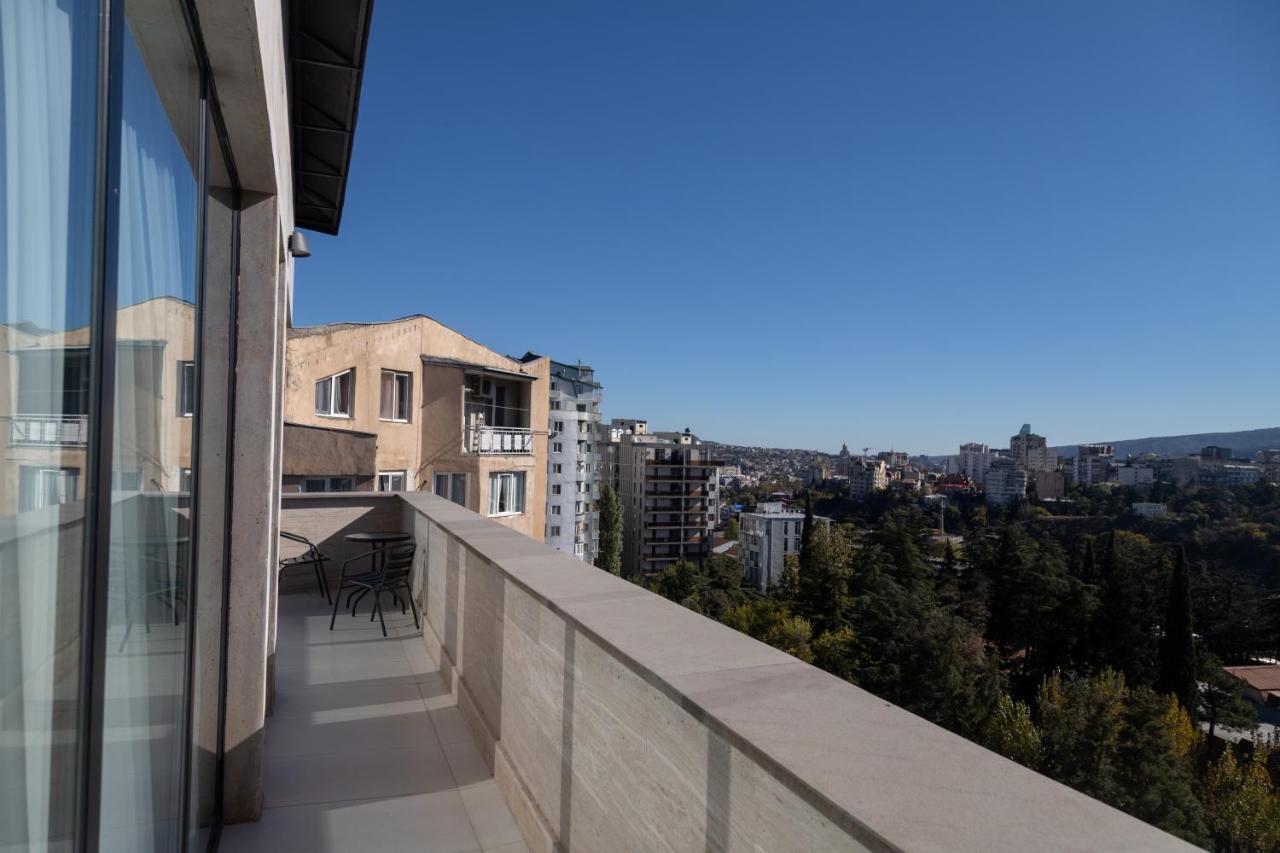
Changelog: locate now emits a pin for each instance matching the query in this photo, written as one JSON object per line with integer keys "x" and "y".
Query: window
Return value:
{"x": 559, "y": 426}
{"x": 555, "y": 509}
{"x": 556, "y": 468}
{"x": 452, "y": 487}
{"x": 326, "y": 484}
{"x": 333, "y": 395}
{"x": 555, "y": 404}
{"x": 391, "y": 481}
{"x": 186, "y": 388}
{"x": 506, "y": 493}
{"x": 557, "y": 447}
{"x": 555, "y": 490}
{"x": 42, "y": 487}
{"x": 555, "y": 531}
{"x": 397, "y": 393}
{"x": 582, "y": 407}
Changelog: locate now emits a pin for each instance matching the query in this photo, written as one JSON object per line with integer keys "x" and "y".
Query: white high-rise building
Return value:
{"x": 974, "y": 460}
{"x": 767, "y": 537}
{"x": 573, "y": 461}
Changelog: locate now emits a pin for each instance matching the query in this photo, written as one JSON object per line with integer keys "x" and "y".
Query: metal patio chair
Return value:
{"x": 391, "y": 572}
{"x": 311, "y": 557}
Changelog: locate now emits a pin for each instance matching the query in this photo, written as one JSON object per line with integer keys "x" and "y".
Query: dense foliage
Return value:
{"x": 1072, "y": 637}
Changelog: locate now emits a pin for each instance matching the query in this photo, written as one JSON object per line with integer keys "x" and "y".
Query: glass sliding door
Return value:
{"x": 155, "y": 224}
{"x": 49, "y": 70}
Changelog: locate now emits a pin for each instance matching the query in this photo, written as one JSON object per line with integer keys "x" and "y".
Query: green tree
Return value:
{"x": 791, "y": 634}
{"x": 806, "y": 531}
{"x": 1242, "y": 805}
{"x": 610, "y": 556}
{"x": 1010, "y": 731}
{"x": 732, "y": 530}
{"x": 1118, "y": 745}
{"x": 1177, "y": 645}
{"x": 823, "y": 594}
{"x": 680, "y": 582}
{"x": 839, "y": 653}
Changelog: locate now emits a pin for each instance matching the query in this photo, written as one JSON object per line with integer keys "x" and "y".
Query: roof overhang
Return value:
{"x": 328, "y": 40}
{"x": 473, "y": 367}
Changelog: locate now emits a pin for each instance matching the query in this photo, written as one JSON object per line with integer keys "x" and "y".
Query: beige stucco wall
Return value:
{"x": 432, "y": 440}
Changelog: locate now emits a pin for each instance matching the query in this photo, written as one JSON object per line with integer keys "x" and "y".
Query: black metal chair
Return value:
{"x": 311, "y": 557}
{"x": 392, "y": 571}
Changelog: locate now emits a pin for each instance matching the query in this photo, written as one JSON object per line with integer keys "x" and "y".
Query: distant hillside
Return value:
{"x": 1243, "y": 444}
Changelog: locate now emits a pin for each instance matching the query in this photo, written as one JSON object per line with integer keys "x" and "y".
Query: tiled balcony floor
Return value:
{"x": 366, "y": 750}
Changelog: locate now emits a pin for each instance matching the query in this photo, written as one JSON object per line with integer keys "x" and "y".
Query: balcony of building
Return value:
{"x": 496, "y": 416}
{"x": 49, "y": 430}
{"x": 549, "y": 705}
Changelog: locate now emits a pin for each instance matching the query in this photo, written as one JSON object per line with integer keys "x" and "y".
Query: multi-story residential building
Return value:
{"x": 450, "y": 415}
{"x": 867, "y": 476}
{"x": 1135, "y": 475}
{"x": 669, "y": 492}
{"x": 894, "y": 458}
{"x": 973, "y": 461}
{"x": 1179, "y": 471}
{"x": 1230, "y": 474}
{"x": 46, "y": 380}
{"x": 573, "y": 460}
{"x": 1031, "y": 451}
{"x": 1093, "y": 463}
{"x": 767, "y": 537}
{"x": 1215, "y": 452}
{"x": 1006, "y": 482}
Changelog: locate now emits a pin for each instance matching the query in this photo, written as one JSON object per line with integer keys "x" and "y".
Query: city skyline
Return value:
{"x": 862, "y": 217}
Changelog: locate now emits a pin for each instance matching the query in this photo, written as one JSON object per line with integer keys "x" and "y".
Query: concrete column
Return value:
{"x": 254, "y": 504}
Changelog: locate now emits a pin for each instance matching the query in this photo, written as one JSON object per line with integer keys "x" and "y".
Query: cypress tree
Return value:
{"x": 806, "y": 532}
{"x": 1177, "y": 646}
{"x": 610, "y": 556}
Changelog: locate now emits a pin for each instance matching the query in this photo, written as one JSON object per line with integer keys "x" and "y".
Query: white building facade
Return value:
{"x": 573, "y": 461}
{"x": 767, "y": 537}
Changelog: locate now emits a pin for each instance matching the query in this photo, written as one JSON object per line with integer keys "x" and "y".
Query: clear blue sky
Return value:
{"x": 798, "y": 224}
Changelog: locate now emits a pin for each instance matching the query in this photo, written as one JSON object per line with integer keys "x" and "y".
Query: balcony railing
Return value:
{"x": 500, "y": 440}
{"x": 47, "y": 430}
{"x": 628, "y": 697}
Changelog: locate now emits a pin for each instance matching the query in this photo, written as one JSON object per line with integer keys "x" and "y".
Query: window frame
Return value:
{"x": 452, "y": 495}
{"x": 351, "y": 394}
{"x": 187, "y": 379}
{"x": 397, "y": 397}
{"x": 520, "y": 485}
{"x": 402, "y": 474}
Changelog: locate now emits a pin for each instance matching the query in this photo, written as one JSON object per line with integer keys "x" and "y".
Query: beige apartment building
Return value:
{"x": 440, "y": 412}
{"x": 44, "y": 398}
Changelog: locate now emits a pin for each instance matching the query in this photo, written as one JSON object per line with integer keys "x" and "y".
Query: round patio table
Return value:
{"x": 376, "y": 539}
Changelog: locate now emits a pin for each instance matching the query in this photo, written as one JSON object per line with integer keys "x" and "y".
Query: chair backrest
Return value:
{"x": 294, "y": 537}
{"x": 399, "y": 557}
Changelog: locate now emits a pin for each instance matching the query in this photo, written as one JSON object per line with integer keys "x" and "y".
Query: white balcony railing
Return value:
{"x": 500, "y": 440}
{"x": 49, "y": 430}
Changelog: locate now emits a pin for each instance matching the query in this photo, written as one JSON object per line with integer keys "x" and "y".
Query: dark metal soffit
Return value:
{"x": 328, "y": 40}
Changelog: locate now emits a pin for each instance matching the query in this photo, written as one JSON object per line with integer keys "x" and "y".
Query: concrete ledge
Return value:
{"x": 616, "y": 720}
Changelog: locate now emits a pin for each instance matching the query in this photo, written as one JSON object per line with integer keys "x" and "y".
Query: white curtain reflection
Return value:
{"x": 48, "y": 68}
{"x": 149, "y": 565}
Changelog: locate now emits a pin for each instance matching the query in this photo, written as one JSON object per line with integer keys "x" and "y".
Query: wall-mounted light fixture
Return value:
{"x": 298, "y": 245}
